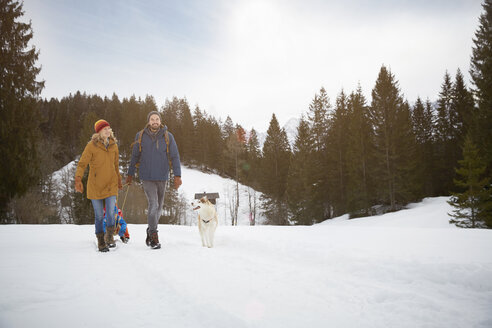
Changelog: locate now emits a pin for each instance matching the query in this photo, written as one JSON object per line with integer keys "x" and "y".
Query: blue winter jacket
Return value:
{"x": 153, "y": 161}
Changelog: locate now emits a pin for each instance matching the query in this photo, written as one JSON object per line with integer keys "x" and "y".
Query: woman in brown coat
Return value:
{"x": 102, "y": 156}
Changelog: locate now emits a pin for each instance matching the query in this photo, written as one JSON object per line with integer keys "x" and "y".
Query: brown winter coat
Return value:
{"x": 104, "y": 173}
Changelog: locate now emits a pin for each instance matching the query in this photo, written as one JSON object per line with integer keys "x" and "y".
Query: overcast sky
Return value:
{"x": 249, "y": 59}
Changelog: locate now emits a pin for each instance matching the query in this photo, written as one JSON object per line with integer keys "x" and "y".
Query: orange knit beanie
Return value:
{"x": 99, "y": 125}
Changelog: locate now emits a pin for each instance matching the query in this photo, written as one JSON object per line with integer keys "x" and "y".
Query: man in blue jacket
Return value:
{"x": 151, "y": 151}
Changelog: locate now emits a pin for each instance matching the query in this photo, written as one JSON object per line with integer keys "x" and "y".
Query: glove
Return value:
{"x": 129, "y": 180}
{"x": 120, "y": 186}
{"x": 79, "y": 187}
{"x": 177, "y": 182}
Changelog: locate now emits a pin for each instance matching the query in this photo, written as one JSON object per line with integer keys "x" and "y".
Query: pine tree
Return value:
{"x": 216, "y": 144}
{"x": 336, "y": 155}
{"x": 422, "y": 121}
{"x": 472, "y": 206}
{"x": 112, "y": 114}
{"x": 170, "y": 116}
{"x": 97, "y": 105}
{"x": 318, "y": 119}
{"x": 253, "y": 144}
{"x": 463, "y": 109}
{"x": 481, "y": 73}
{"x": 199, "y": 147}
{"x": 242, "y": 149}
{"x": 298, "y": 186}
{"x": 275, "y": 167}
{"x": 87, "y": 129}
{"x": 360, "y": 144}
{"x": 318, "y": 174}
{"x": 275, "y": 159}
{"x": 406, "y": 164}
{"x": 252, "y": 160}
{"x": 184, "y": 136}
{"x": 386, "y": 118}
{"x": 176, "y": 115}
{"x": 234, "y": 154}
{"x": 444, "y": 104}
{"x": 444, "y": 142}
{"x": 228, "y": 128}
{"x": 48, "y": 112}
{"x": 230, "y": 149}
{"x": 454, "y": 111}
{"x": 133, "y": 121}
{"x": 18, "y": 93}
{"x": 75, "y": 107}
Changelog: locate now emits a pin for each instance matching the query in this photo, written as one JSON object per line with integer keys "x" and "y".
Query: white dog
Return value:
{"x": 207, "y": 220}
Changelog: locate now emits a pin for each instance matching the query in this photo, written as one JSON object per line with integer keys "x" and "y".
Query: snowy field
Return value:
{"x": 405, "y": 269}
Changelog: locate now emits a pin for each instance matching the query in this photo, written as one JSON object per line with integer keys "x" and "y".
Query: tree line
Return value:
{"x": 350, "y": 156}
{"x": 369, "y": 158}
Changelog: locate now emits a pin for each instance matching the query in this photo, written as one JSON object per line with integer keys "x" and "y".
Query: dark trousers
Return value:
{"x": 155, "y": 192}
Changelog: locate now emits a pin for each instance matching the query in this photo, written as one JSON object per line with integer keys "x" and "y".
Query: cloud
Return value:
{"x": 249, "y": 59}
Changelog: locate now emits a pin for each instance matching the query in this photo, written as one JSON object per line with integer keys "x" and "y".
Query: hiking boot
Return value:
{"x": 108, "y": 237}
{"x": 147, "y": 240}
{"x": 101, "y": 244}
{"x": 154, "y": 241}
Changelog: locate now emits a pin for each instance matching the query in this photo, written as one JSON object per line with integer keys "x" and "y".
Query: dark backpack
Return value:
{"x": 166, "y": 138}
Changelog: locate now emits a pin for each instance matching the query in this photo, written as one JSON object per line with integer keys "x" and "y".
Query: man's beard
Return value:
{"x": 154, "y": 127}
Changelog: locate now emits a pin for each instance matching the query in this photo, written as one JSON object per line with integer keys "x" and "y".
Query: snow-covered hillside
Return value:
{"x": 195, "y": 181}
{"x": 405, "y": 269}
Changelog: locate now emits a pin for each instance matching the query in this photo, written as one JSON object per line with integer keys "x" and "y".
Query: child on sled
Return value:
{"x": 120, "y": 226}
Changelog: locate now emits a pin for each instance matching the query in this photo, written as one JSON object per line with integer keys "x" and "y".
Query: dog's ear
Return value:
{"x": 203, "y": 199}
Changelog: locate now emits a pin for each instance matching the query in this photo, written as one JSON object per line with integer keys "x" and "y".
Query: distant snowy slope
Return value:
{"x": 430, "y": 213}
{"x": 195, "y": 181}
{"x": 61, "y": 176}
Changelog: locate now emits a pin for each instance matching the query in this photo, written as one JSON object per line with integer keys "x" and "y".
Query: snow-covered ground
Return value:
{"x": 405, "y": 269}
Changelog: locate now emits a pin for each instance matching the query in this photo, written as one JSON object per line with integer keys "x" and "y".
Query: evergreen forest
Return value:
{"x": 350, "y": 155}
